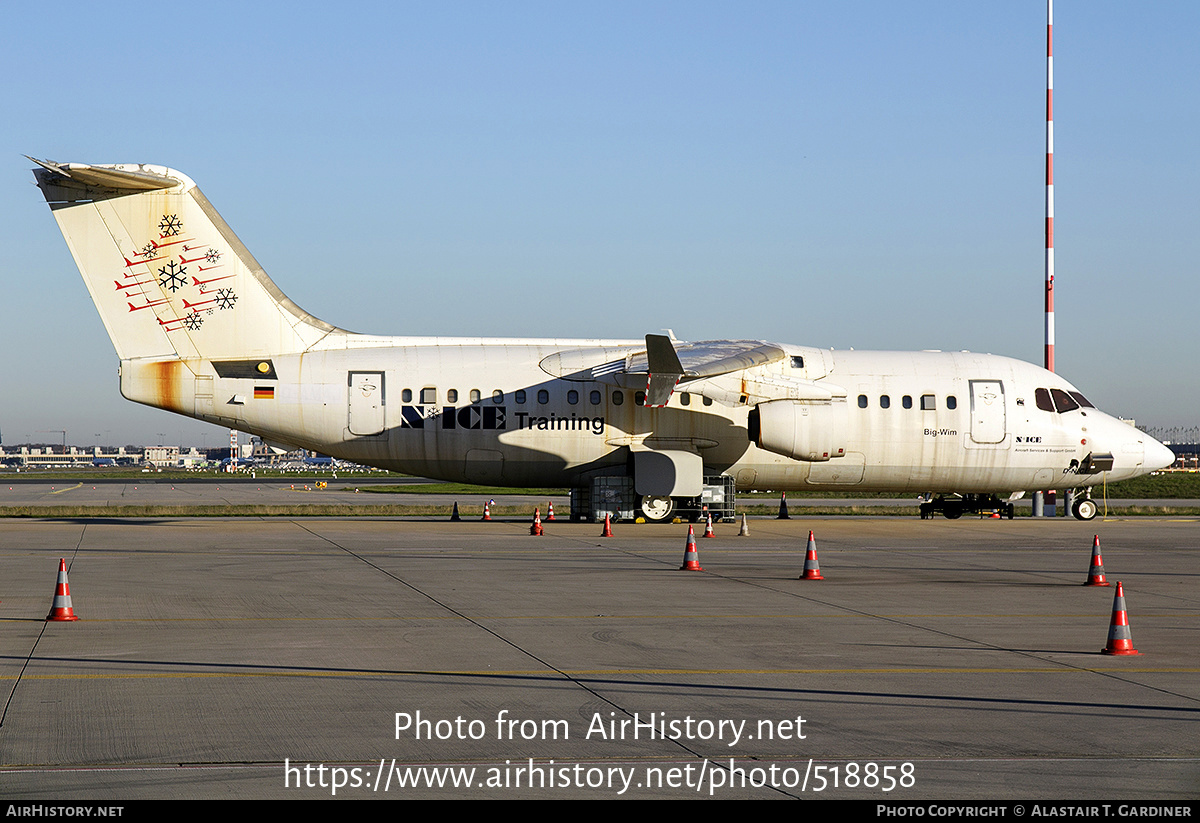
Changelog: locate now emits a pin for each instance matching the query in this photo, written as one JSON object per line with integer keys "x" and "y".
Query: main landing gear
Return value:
{"x": 657, "y": 509}
{"x": 953, "y": 508}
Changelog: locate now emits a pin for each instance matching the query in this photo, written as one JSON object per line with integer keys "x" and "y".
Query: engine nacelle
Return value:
{"x": 814, "y": 432}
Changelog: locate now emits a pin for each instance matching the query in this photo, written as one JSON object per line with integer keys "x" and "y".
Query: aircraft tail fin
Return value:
{"x": 169, "y": 277}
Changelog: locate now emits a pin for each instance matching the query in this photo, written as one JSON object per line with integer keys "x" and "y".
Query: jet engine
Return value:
{"x": 814, "y": 432}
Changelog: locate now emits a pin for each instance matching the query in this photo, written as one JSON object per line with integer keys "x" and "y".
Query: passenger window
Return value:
{"x": 708, "y": 401}
{"x": 862, "y": 401}
{"x": 685, "y": 399}
{"x": 797, "y": 361}
{"x": 497, "y": 397}
{"x": 406, "y": 396}
{"x": 452, "y": 396}
{"x": 928, "y": 402}
{"x": 885, "y": 402}
{"x": 1042, "y": 398}
{"x": 543, "y": 396}
{"x": 595, "y": 397}
{"x": 639, "y": 398}
{"x": 519, "y": 395}
{"x": 951, "y": 402}
{"x": 618, "y": 398}
{"x": 476, "y": 395}
{"x": 907, "y": 401}
{"x": 572, "y": 397}
{"x": 428, "y": 396}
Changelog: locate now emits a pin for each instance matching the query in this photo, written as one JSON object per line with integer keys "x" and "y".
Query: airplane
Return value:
{"x": 202, "y": 331}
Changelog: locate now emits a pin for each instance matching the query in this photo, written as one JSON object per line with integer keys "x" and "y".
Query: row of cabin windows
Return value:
{"x": 520, "y": 397}
{"x": 928, "y": 402}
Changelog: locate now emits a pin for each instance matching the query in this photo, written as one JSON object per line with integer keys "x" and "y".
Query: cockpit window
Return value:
{"x": 1063, "y": 401}
{"x": 1081, "y": 400}
{"x": 1042, "y": 398}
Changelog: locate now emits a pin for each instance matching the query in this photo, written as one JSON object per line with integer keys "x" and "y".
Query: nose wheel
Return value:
{"x": 1084, "y": 508}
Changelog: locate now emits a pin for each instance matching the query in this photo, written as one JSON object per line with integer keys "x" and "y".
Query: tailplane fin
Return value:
{"x": 167, "y": 274}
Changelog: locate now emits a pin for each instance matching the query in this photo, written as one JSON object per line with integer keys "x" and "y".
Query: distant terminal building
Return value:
{"x": 1187, "y": 456}
{"x": 1184, "y": 441}
{"x": 47, "y": 457}
{"x": 33, "y": 457}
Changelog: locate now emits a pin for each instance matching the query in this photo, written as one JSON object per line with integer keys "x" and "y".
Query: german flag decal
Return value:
{"x": 264, "y": 392}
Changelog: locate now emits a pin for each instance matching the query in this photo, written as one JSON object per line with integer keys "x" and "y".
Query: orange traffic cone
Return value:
{"x": 783, "y": 512}
{"x": 691, "y": 560}
{"x": 1120, "y": 641}
{"x": 708, "y": 532}
{"x": 607, "y": 527}
{"x": 487, "y": 511}
{"x": 812, "y": 571}
{"x": 1096, "y": 572}
{"x": 550, "y": 511}
{"x": 61, "y": 608}
{"x": 745, "y": 532}
{"x": 536, "y": 528}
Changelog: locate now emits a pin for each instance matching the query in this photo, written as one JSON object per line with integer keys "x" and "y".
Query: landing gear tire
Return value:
{"x": 953, "y": 511}
{"x": 657, "y": 509}
{"x": 1084, "y": 509}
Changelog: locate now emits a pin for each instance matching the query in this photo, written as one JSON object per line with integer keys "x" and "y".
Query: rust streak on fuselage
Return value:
{"x": 167, "y": 375}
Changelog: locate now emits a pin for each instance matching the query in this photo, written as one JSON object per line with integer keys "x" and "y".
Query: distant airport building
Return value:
{"x": 161, "y": 457}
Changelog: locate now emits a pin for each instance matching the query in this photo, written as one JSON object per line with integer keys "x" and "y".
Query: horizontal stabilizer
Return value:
{"x": 80, "y": 183}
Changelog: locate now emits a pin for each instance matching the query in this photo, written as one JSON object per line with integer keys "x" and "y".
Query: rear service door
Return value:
{"x": 366, "y": 403}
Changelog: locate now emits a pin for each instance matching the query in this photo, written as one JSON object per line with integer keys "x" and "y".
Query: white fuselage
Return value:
{"x": 913, "y": 421}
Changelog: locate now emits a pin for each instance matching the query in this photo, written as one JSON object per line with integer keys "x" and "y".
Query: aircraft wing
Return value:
{"x": 664, "y": 364}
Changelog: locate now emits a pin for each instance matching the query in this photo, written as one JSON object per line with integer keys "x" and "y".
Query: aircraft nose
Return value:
{"x": 1158, "y": 456}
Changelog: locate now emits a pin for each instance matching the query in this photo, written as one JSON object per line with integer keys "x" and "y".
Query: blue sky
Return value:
{"x": 863, "y": 174}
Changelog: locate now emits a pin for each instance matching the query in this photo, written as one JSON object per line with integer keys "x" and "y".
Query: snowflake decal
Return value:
{"x": 193, "y": 321}
{"x": 212, "y": 256}
{"x": 148, "y": 251}
{"x": 171, "y": 276}
{"x": 226, "y": 298}
{"x": 170, "y": 225}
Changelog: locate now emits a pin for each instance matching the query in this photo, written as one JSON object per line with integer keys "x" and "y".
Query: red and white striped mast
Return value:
{"x": 1040, "y": 497}
{"x": 1050, "y": 185}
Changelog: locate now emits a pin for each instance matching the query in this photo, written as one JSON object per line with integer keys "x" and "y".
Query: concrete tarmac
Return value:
{"x": 239, "y": 491}
{"x": 242, "y": 491}
{"x": 296, "y": 658}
